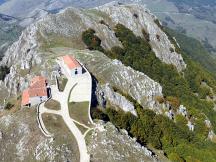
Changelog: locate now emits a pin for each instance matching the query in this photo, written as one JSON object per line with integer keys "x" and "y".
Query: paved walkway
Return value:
{"x": 80, "y": 93}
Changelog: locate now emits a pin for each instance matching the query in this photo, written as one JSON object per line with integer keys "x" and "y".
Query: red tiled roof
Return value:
{"x": 37, "y": 88}
{"x": 70, "y": 62}
{"x": 38, "y": 82}
{"x": 33, "y": 92}
{"x": 25, "y": 97}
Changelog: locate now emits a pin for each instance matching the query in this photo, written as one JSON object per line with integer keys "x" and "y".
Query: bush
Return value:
{"x": 146, "y": 35}
{"x": 4, "y": 70}
{"x": 99, "y": 114}
{"x": 8, "y": 106}
{"x": 91, "y": 40}
{"x": 173, "y": 101}
{"x": 174, "y": 157}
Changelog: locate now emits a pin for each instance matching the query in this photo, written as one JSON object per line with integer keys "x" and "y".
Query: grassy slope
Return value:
{"x": 194, "y": 49}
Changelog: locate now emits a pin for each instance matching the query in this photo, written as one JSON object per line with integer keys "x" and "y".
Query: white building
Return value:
{"x": 70, "y": 66}
{"x": 36, "y": 93}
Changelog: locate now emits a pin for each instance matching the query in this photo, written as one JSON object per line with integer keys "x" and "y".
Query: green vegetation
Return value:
{"x": 8, "y": 106}
{"x": 9, "y": 32}
{"x": 57, "y": 40}
{"x": 79, "y": 112}
{"x": 53, "y": 104}
{"x": 62, "y": 83}
{"x": 4, "y": 70}
{"x": 190, "y": 88}
{"x": 162, "y": 133}
{"x": 91, "y": 40}
{"x": 194, "y": 49}
{"x": 138, "y": 54}
{"x": 199, "y": 8}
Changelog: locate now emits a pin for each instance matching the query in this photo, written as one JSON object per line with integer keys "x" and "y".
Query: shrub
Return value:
{"x": 8, "y": 106}
{"x": 4, "y": 70}
{"x": 172, "y": 50}
{"x": 160, "y": 99}
{"x": 173, "y": 101}
{"x": 91, "y": 40}
{"x": 174, "y": 157}
{"x": 146, "y": 35}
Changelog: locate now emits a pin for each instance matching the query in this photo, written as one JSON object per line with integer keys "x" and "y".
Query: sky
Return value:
{"x": 1, "y": 1}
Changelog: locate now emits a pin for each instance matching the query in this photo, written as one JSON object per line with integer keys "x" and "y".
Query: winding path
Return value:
{"x": 63, "y": 98}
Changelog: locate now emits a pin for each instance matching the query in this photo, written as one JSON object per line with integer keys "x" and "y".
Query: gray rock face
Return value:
{"x": 21, "y": 55}
{"x": 69, "y": 25}
{"x": 136, "y": 84}
{"x": 10, "y": 32}
{"x": 107, "y": 144}
{"x": 145, "y": 20}
{"x": 116, "y": 99}
{"x": 1, "y": 135}
{"x": 72, "y": 22}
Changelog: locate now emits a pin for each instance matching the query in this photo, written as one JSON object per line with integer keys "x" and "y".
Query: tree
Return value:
{"x": 174, "y": 157}
{"x": 4, "y": 70}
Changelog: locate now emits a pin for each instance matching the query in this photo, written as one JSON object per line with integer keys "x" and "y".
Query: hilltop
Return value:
{"x": 136, "y": 66}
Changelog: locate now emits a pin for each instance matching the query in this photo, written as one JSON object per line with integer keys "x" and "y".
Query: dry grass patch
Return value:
{"x": 79, "y": 112}
{"x": 53, "y": 104}
{"x": 62, "y": 81}
{"x": 62, "y": 135}
{"x": 81, "y": 128}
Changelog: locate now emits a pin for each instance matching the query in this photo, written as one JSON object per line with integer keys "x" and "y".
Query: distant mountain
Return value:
{"x": 9, "y": 31}
{"x": 196, "y": 18}
{"x": 24, "y": 7}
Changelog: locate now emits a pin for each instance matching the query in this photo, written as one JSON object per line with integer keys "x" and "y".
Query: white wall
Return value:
{"x": 79, "y": 71}
{"x": 36, "y": 100}
{"x": 69, "y": 72}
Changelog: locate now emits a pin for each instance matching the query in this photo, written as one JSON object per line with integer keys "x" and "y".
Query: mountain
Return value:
{"x": 9, "y": 31}
{"x": 137, "y": 66}
{"x": 195, "y": 18}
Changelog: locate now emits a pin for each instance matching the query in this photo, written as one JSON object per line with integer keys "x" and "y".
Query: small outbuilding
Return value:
{"x": 70, "y": 65}
{"x": 36, "y": 93}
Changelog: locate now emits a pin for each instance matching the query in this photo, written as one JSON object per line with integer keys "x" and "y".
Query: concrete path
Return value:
{"x": 81, "y": 92}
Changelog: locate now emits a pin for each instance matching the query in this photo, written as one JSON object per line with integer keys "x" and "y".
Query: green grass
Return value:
{"x": 79, "y": 112}
{"x": 59, "y": 41}
{"x": 62, "y": 83}
{"x": 53, "y": 104}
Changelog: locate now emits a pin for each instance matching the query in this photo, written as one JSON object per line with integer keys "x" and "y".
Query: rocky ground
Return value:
{"x": 108, "y": 144}
{"x": 22, "y": 140}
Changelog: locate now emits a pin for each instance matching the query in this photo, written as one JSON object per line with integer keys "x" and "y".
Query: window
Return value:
{"x": 76, "y": 71}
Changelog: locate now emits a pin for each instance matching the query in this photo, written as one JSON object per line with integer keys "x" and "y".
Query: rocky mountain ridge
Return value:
{"x": 69, "y": 24}
{"x": 9, "y": 31}
{"x": 60, "y": 34}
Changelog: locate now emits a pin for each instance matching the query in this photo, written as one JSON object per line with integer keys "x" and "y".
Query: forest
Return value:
{"x": 189, "y": 88}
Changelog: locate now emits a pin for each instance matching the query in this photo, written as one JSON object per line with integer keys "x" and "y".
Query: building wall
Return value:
{"x": 79, "y": 71}
{"x": 70, "y": 72}
{"x": 36, "y": 100}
